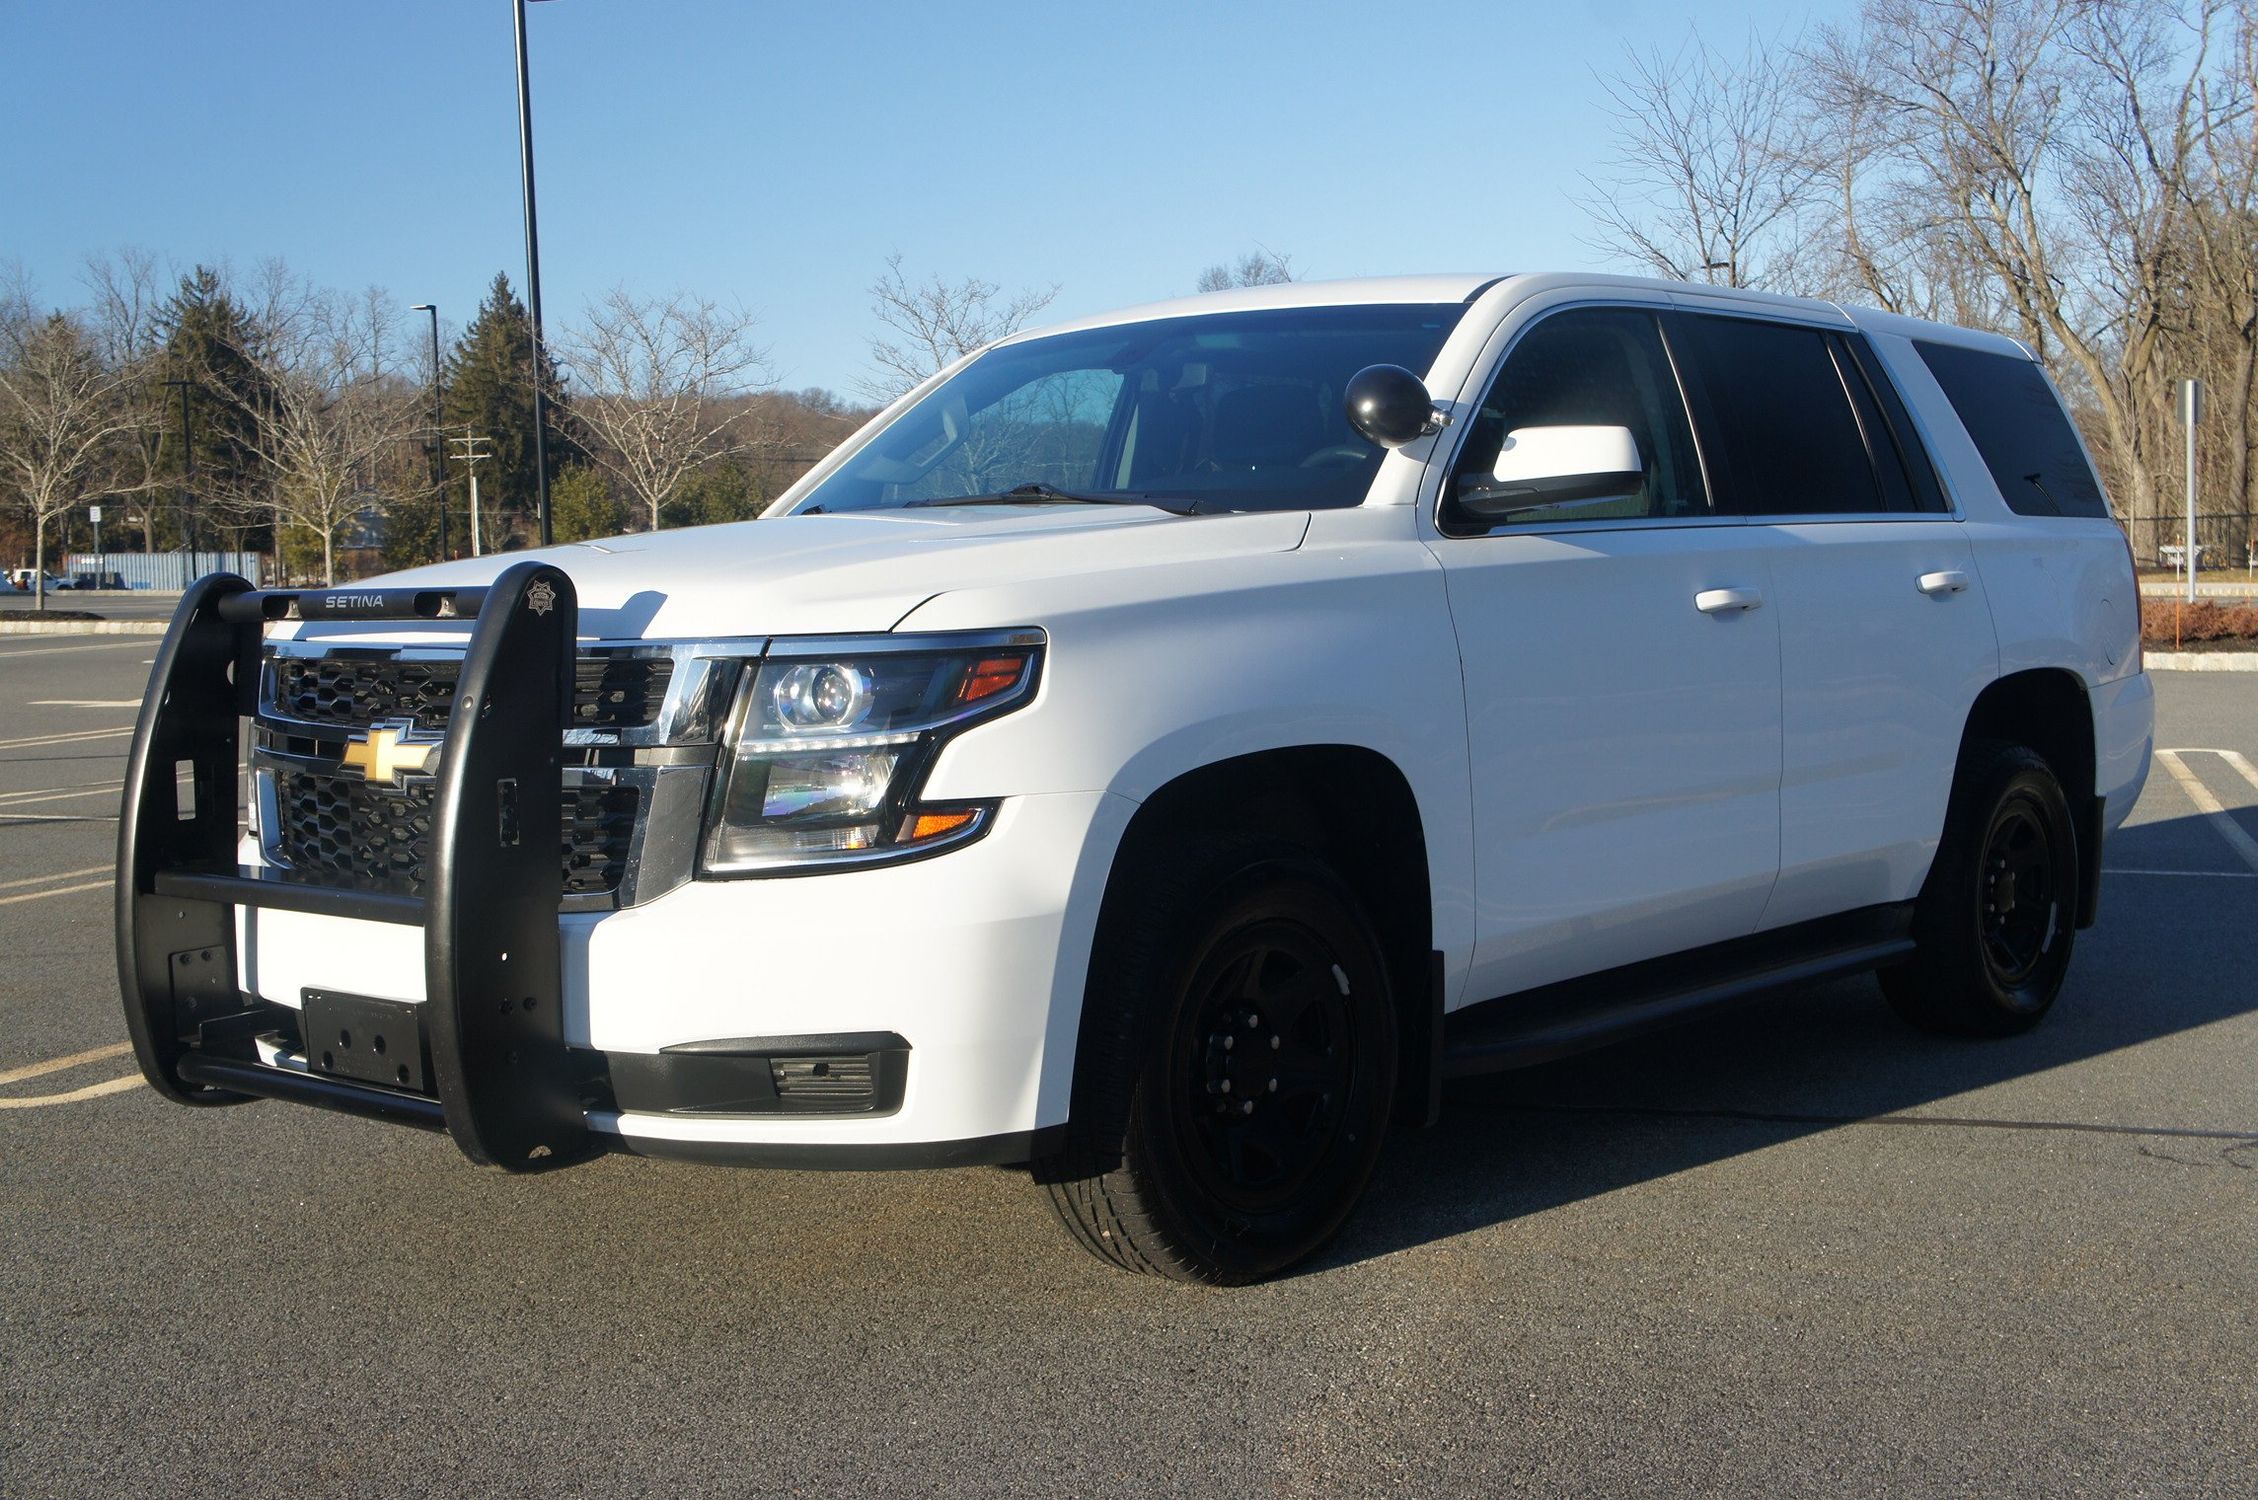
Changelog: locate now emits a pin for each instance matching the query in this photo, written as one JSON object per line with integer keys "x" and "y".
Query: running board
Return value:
{"x": 1557, "y": 1020}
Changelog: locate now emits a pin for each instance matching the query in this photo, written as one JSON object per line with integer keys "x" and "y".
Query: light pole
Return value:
{"x": 188, "y": 481}
{"x": 438, "y": 419}
{"x": 532, "y": 280}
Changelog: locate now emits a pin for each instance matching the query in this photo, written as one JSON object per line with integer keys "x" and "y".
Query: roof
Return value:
{"x": 1463, "y": 286}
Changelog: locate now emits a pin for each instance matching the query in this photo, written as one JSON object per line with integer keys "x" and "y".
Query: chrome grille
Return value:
{"x": 344, "y": 833}
{"x": 611, "y": 690}
{"x": 638, "y": 760}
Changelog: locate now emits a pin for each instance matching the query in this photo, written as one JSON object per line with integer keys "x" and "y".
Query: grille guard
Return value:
{"x": 509, "y": 1090}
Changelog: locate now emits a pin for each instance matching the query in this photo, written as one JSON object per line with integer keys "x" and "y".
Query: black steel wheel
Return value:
{"x": 1997, "y": 917}
{"x": 1238, "y": 1064}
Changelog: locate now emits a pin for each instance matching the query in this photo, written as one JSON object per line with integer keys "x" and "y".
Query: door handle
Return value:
{"x": 1727, "y": 601}
{"x": 1950, "y": 582}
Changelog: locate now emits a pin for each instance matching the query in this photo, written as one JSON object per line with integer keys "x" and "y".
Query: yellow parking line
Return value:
{"x": 91, "y": 1091}
{"x": 66, "y": 890}
{"x": 57, "y": 1064}
{"x": 2213, "y": 810}
{"x": 10, "y": 885}
{"x": 142, "y": 641}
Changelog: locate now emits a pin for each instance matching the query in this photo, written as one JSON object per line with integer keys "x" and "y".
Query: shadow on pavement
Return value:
{"x": 2169, "y": 955}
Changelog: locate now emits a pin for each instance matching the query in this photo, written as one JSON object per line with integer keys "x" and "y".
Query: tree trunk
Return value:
{"x": 39, "y": 559}
{"x": 328, "y": 556}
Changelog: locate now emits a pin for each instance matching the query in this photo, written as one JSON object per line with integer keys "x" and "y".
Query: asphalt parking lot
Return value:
{"x": 1796, "y": 1249}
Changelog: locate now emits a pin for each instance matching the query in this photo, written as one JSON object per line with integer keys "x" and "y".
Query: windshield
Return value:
{"x": 1222, "y": 411}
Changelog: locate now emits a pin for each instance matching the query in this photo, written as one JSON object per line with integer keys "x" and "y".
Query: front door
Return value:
{"x": 1622, "y": 670}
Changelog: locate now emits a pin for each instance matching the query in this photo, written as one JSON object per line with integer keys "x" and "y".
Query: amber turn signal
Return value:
{"x": 931, "y": 825}
{"x": 991, "y": 675}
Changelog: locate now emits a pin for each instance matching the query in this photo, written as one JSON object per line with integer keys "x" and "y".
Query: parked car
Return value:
{"x": 1161, "y": 749}
{"x": 97, "y": 580}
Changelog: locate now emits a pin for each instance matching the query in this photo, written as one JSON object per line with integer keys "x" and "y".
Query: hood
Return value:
{"x": 855, "y": 572}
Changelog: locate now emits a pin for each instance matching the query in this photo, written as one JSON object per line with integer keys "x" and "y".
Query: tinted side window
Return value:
{"x": 1776, "y": 401}
{"x": 1589, "y": 367}
{"x": 1920, "y": 469}
{"x": 2020, "y": 429}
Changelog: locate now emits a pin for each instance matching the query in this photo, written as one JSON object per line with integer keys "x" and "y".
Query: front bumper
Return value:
{"x": 967, "y": 958}
{"x": 663, "y": 1027}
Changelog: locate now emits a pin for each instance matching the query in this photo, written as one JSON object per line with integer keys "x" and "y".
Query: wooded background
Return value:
{"x": 2080, "y": 174}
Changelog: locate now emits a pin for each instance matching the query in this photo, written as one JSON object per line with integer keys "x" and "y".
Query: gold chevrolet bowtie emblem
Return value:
{"x": 384, "y": 752}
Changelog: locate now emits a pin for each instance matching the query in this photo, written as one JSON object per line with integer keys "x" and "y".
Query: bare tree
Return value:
{"x": 1260, "y": 266}
{"x": 661, "y": 387}
{"x": 2047, "y": 150}
{"x": 932, "y": 324}
{"x": 325, "y": 419}
{"x": 1713, "y": 169}
{"x": 127, "y": 290}
{"x": 59, "y": 413}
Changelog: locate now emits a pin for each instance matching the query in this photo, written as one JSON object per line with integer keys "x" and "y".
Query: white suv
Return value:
{"x": 1161, "y": 749}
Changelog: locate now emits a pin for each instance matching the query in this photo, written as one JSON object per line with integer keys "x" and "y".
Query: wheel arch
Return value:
{"x": 1354, "y": 808}
{"x": 2049, "y": 710}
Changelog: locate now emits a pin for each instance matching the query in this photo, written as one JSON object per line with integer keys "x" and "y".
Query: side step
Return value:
{"x": 1557, "y": 1020}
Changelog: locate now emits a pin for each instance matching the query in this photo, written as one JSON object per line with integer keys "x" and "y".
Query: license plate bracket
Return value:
{"x": 365, "y": 1039}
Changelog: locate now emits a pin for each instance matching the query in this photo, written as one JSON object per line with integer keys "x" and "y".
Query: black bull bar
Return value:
{"x": 504, "y": 1084}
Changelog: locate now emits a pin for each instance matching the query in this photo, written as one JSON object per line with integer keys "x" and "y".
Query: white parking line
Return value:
{"x": 57, "y": 1064}
{"x": 66, "y": 890}
{"x": 71, "y": 737}
{"x": 2213, "y": 810}
{"x": 13, "y": 885}
{"x": 13, "y": 800}
{"x": 85, "y": 703}
{"x": 2192, "y": 874}
{"x": 2240, "y": 762}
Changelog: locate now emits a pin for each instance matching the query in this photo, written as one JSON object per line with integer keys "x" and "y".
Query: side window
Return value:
{"x": 1588, "y": 367}
{"x": 1777, "y": 406}
{"x": 2020, "y": 429}
{"x": 1919, "y": 469}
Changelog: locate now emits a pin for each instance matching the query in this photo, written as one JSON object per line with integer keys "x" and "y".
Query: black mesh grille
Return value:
{"x": 610, "y": 690}
{"x": 340, "y": 832}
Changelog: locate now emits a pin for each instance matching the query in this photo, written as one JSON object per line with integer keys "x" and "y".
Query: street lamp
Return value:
{"x": 532, "y": 279}
{"x": 438, "y": 424}
{"x": 188, "y": 481}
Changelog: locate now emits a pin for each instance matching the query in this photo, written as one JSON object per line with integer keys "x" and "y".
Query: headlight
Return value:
{"x": 830, "y": 740}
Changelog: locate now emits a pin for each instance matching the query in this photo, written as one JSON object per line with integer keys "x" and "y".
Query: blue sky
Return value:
{"x": 775, "y": 155}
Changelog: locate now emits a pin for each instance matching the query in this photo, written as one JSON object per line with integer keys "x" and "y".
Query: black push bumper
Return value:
{"x": 503, "y": 1083}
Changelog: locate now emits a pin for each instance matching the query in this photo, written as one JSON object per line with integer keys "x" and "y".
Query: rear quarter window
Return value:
{"x": 2020, "y": 429}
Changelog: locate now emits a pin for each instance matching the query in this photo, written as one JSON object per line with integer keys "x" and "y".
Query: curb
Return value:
{"x": 85, "y": 627}
{"x": 2200, "y": 661}
{"x": 2230, "y": 588}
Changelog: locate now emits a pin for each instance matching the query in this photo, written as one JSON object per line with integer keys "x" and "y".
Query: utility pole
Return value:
{"x": 2191, "y": 412}
{"x": 471, "y": 457}
{"x": 438, "y": 425}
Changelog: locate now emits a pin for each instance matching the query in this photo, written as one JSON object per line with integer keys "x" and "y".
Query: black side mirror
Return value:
{"x": 1389, "y": 405}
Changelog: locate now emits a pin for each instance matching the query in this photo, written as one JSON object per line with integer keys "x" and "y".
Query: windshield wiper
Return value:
{"x": 1035, "y": 492}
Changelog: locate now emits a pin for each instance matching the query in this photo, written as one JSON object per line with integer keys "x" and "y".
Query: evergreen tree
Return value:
{"x": 490, "y": 390}
{"x": 582, "y": 501}
{"x": 209, "y": 343}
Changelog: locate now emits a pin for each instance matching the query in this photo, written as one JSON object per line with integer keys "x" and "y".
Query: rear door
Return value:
{"x": 1885, "y": 635}
{"x": 1622, "y": 674}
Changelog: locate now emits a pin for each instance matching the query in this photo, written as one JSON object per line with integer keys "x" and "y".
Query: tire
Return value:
{"x": 1237, "y": 1063}
{"x": 1997, "y": 917}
